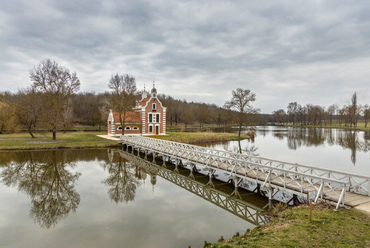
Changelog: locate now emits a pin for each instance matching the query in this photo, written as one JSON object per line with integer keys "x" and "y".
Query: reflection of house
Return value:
{"x": 148, "y": 117}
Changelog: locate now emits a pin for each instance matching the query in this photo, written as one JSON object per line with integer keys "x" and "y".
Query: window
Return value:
{"x": 157, "y": 118}
{"x": 128, "y": 128}
{"x": 136, "y": 128}
{"x": 154, "y": 106}
{"x": 119, "y": 128}
{"x": 150, "y": 117}
{"x": 151, "y": 129}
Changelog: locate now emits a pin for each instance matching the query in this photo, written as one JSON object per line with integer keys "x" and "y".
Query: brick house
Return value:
{"x": 147, "y": 118}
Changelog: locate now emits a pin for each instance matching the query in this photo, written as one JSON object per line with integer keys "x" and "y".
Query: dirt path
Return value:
{"x": 108, "y": 137}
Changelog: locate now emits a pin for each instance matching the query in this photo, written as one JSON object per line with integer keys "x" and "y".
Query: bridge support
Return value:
{"x": 236, "y": 180}
{"x": 211, "y": 175}
{"x": 153, "y": 161}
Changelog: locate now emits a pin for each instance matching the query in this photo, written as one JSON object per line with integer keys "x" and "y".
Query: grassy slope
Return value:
{"x": 23, "y": 141}
{"x": 292, "y": 228}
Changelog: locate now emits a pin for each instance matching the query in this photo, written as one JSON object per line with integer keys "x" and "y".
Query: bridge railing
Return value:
{"x": 309, "y": 174}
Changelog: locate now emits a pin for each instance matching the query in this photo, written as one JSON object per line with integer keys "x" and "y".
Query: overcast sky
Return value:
{"x": 314, "y": 52}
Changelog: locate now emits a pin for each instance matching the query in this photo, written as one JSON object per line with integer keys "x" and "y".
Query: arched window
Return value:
{"x": 119, "y": 128}
{"x": 136, "y": 128}
{"x": 128, "y": 128}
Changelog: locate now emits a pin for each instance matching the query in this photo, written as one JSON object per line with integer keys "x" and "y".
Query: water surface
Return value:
{"x": 332, "y": 149}
{"x": 96, "y": 198}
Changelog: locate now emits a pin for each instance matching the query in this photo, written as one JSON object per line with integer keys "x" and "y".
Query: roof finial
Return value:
{"x": 144, "y": 86}
{"x": 153, "y": 84}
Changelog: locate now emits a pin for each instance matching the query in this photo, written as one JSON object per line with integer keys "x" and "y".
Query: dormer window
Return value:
{"x": 154, "y": 107}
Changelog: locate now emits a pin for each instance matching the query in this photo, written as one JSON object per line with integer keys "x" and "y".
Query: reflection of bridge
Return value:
{"x": 271, "y": 175}
{"x": 253, "y": 213}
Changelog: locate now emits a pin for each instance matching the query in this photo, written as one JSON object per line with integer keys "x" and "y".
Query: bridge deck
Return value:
{"x": 339, "y": 187}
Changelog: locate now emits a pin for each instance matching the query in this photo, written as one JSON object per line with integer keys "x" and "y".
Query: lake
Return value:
{"x": 109, "y": 198}
{"x": 333, "y": 149}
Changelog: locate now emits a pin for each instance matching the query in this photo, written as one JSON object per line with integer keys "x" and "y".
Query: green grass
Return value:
{"x": 196, "y": 138}
{"x": 23, "y": 141}
{"x": 292, "y": 228}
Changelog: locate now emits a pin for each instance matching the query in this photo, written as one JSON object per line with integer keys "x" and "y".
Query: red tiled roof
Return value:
{"x": 133, "y": 117}
{"x": 143, "y": 102}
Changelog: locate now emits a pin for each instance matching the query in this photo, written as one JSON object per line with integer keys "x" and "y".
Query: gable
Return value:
{"x": 150, "y": 100}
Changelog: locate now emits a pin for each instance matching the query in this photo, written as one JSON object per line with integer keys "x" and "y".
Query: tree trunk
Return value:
{"x": 30, "y": 131}
{"x": 54, "y": 134}
{"x": 240, "y": 128}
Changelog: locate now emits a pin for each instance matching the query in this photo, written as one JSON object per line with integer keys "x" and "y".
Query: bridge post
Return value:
{"x": 211, "y": 174}
{"x": 236, "y": 182}
{"x": 176, "y": 167}
{"x": 164, "y": 160}
{"x": 192, "y": 165}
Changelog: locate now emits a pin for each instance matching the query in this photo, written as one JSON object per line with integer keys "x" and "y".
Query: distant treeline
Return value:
{"x": 92, "y": 109}
{"x": 347, "y": 115}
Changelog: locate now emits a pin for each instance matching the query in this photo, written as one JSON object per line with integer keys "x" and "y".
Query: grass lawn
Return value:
{"x": 23, "y": 141}
{"x": 292, "y": 228}
{"x": 196, "y": 138}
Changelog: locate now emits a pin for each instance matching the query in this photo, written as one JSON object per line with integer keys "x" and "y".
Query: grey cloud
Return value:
{"x": 221, "y": 45}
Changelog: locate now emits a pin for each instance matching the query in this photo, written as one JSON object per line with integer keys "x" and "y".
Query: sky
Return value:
{"x": 309, "y": 52}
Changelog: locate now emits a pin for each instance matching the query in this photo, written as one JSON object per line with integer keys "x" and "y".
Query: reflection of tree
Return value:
{"x": 49, "y": 184}
{"x": 349, "y": 140}
{"x": 249, "y": 150}
{"x": 122, "y": 179}
{"x": 297, "y": 137}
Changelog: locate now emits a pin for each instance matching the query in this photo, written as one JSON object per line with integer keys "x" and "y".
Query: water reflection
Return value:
{"x": 248, "y": 206}
{"x": 123, "y": 178}
{"x": 46, "y": 178}
{"x": 298, "y": 137}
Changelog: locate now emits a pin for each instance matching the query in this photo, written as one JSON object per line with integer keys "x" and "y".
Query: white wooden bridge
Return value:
{"x": 272, "y": 176}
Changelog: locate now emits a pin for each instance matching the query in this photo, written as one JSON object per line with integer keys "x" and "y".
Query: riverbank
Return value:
{"x": 291, "y": 228}
{"x": 79, "y": 140}
{"x": 75, "y": 140}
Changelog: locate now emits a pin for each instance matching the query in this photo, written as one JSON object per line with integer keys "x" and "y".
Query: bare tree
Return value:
{"x": 355, "y": 110}
{"x": 331, "y": 112}
{"x": 27, "y": 108}
{"x": 240, "y": 103}
{"x": 56, "y": 84}
{"x": 122, "y": 96}
{"x": 280, "y": 116}
{"x": 366, "y": 114}
{"x": 6, "y": 121}
{"x": 293, "y": 108}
